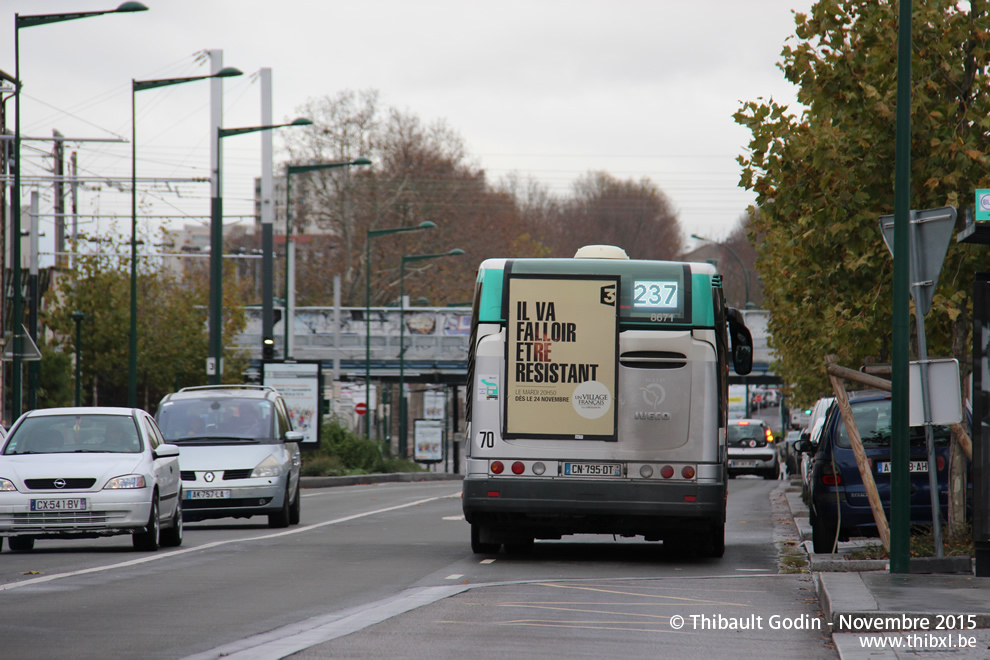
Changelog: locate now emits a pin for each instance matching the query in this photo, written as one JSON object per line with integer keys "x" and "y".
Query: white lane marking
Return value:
{"x": 455, "y": 576}
{"x": 461, "y": 517}
{"x": 295, "y": 637}
{"x": 753, "y": 570}
{"x": 486, "y": 561}
{"x": 283, "y": 642}
{"x": 216, "y": 544}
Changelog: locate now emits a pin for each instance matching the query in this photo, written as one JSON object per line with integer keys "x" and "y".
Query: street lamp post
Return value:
{"x": 78, "y": 317}
{"x": 372, "y": 233}
{"x": 402, "y": 339}
{"x": 139, "y": 86}
{"x": 15, "y": 202}
{"x": 742, "y": 267}
{"x": 289, "y": 171}
{"x": 214, "y": 361}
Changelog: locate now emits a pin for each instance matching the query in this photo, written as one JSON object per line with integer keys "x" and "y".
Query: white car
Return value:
{"x": 89, "y": 472}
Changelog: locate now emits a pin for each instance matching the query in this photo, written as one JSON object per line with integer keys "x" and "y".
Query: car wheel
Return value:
{"x": 21, "y": 543}
{"x": 294, "y": 508}
{"x": 150, "y": 539}
{"x": 822, "y": 536}
{"x": 172, "y": 537}
{"x": 479, "y": 548}
{"x": 281, "y": 519}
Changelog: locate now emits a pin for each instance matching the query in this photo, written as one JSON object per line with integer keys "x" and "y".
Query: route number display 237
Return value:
{"x": 655, "y": 294}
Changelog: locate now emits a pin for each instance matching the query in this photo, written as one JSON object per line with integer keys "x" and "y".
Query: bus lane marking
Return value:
{"x": 216, "y": 544}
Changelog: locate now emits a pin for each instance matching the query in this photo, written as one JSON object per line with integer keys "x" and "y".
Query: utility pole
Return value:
{"x": 75, "y": 207}
{"x": 59, "y": 155}
{"x": 214, "y": 363}
{"x": 267, "y": 222}
{"x": 33, "y": 365}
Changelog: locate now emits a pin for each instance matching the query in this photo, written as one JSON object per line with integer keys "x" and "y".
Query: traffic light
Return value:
{"x": 268, "y": 349}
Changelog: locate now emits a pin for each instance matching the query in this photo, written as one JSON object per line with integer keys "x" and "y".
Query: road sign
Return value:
{"x": 361, "y": 408}
{"x": 931, "y": 231}
{"x": 29, "y": 350}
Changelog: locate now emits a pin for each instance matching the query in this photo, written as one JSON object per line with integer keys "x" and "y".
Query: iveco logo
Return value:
{"x": 655, "y": 416}
{"x": 209, "y": 476}
{"x": 60, "y": 483}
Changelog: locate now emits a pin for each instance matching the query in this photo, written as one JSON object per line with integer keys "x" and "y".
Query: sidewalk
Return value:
{"x": 877, "y": 615}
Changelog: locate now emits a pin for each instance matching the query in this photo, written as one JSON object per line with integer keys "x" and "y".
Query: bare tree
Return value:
{"x": 635, "y": 215}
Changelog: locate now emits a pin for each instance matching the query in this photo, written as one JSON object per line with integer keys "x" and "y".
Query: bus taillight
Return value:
{"x": 497, "y": 467}
{"x": 687, "y": 472}
{"x": 518, "y": 467}
{"x": 666, "y": 472}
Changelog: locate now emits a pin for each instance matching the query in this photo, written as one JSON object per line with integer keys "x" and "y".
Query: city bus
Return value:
{"x": 598, "y": 401}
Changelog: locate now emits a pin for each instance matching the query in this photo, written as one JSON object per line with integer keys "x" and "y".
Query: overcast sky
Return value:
{"x": 546, "y": 88}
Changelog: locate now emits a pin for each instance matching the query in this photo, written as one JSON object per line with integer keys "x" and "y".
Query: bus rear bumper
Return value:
{"x": 543, "y": 508}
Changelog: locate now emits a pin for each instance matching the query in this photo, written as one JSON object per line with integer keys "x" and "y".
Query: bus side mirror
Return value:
{"x": 742, "y": 342}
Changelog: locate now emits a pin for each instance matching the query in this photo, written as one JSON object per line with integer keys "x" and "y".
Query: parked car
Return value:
{"x": 89, "y": 472}
{"x": 788, "y": 453}
{"x": 750, "y": 448}
{"x": 812, "y": 434}
{"x": 839, "y": 508}
{"x": 240, "y": 456}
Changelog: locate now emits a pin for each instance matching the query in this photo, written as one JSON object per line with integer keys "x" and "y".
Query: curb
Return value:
{"x": 365, "y": 479}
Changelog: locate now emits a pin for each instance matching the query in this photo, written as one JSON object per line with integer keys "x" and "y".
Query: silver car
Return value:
{"x": 750, "y": 448}
{"x": 88, "y": 472}
{"x": 240, "y": 456}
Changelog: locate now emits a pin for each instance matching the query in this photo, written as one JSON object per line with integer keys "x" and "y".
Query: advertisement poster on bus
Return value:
{"x": 561, "y": 357}
{"x": 299, "y": 384}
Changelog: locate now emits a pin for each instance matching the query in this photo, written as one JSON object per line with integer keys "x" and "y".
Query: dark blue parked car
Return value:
{"x": 838, "y": 497}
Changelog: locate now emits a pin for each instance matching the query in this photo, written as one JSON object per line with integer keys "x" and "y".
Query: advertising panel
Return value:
{"x": 561, "y": 357}
{"x": 428, "y": 440}
{"x": 299, "y": 385}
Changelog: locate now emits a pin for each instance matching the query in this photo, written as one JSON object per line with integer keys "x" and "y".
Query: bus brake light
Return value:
{"x": 518, "y": 467}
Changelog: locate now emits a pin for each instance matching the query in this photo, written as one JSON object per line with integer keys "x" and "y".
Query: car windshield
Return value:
{"x": 873, "y": 422}
{"x": 737, "y": 432}
{"x": 67, "y": 434}
{"x": 216, "y": 420}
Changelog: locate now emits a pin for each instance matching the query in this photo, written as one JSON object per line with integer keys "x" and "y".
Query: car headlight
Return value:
{"x": 127, "y": 481}
{"x": 270, "y": 467}
{"x": 6, "y": 486}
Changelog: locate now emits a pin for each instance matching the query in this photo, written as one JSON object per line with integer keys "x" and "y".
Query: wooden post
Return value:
{"x": 957, "y": 484}
{"x": 842, "y": 399}
{"x": 962, "y": 439}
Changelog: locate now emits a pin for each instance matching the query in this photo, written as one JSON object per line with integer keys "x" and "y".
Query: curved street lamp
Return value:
{"x": 215, "y": 360}
{"x": 78, "y": 317}
{"x": 267, "y": 325}
{"x": 15, "y": 203}
{"x": 742, "y": 267}
{"x": 402, "y": 338}
{"x": 373, "y": 233}
{"x": 140, "y": 86}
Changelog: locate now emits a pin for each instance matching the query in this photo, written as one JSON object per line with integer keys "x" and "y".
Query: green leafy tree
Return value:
{"x": 172, "y": 331}
{"x": 823, "y": 176}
